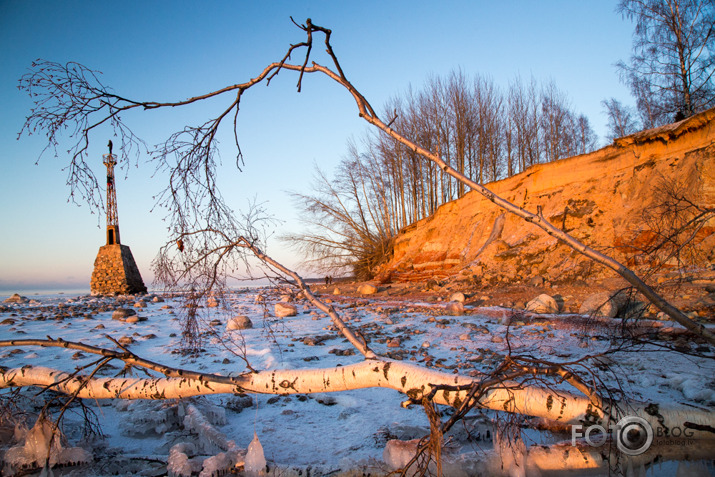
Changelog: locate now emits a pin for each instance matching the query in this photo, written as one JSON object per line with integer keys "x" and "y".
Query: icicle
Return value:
{"x": 41, "y": 446}
{"x": 255, "y": 462}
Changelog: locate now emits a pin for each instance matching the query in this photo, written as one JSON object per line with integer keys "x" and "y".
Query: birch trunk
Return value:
{"x": 414, "y": 381}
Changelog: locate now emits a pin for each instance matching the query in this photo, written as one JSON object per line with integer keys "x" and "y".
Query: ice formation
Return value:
{"x": 179, "y": 464}
{"x": 397, "y": 453}
{"x": 148, "y": 417}
{"x": 222, "y": 463}
{"x": 255, "y": 462}
{"x": 210, "y": 438}
{"x": 42, "y": 445}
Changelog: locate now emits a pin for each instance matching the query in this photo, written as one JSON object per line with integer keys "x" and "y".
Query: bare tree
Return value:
{"x": 620, "y": 119}
{"x": 671, "y": 70}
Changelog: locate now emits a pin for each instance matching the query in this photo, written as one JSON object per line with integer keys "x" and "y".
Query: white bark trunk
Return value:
{"x": 414, "y": 381}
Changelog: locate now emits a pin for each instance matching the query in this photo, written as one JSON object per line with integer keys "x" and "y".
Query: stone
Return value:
{"x": 140, "y": 304}
{"x": 458, "y": 296}
{"x": 367, "y": 289}
{"x": 336, "y": 291}
{"x": 283, "y": 310}
{"x": 603, "y": 304}
{"x": 240, "y": 322}
{"x": 543, "y": 304}
{"x": 126, "y": 340}
{"x": 259, "y": 299}
{"x": 537, "y": 281}
{"x": 16, "y": 298}
{"x": 132, "y": 319}
{"x": 393, "y": 343}
{"x": 455, "y": 308}
{"x": 157, "y": 299}
{"x": 212, "y": 302}
{"x": 464, "y": 337}
{"x": 121, "y": 314}
{"x": 497, "y": 339}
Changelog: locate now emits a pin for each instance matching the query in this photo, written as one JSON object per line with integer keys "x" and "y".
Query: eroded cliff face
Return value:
{"x": 607, "y": 199}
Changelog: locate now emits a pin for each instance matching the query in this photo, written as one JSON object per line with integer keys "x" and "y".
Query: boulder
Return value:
{"x": 367, "y": 289}
{"x": 336, "y": 291}
{"x": 458, "y": 296}
{"x": 16, "y": 298}
{"x": 543, "y": 304}
{"x": 603, "y": 304}
{"x": 121, "y": 314}
{"x": 240, "y": 322}
{"x": 455, "y": 308}
{"x": 283, "y": 310}
{"x": 212, "y": 302}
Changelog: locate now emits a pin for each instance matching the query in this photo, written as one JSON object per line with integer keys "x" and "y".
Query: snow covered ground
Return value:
{"x": 326, "y": 432}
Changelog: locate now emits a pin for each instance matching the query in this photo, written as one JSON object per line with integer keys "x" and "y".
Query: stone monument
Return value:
{"x": 115, "y": 271}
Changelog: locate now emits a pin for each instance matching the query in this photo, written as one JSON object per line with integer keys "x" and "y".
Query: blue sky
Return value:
{"x": 170, "y": 50}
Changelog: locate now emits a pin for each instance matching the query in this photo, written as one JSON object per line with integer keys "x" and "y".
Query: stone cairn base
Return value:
{"x": 116, "y": 272}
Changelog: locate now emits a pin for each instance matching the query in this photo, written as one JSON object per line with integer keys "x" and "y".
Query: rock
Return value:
{"x": 336, "y": 291}
{"x": 140, "y": 304}
{"x": 212, "y": 302}
{"x": 259, "y": 299}
{"x": 543, "y": 304}
{"x": 432, "y": 284}
{"x": 283, "y": 310}
{"x": 286, "y": 298}
{"x": 458, "y": 296}
{"x": 537, "y": 281}
{"x": 497, "y": 339}
{"x": 464, "y": 337}
{"x": 121, "y": 314}
{"x": 240, "y": 322}
{"x": 132, "y": 319}
{"x": 126, "y": 340}
{"x": 16, "y": 298}
{"x": 603, "y": 304}
{"x": 367, "y": 289}
{"x": 157, "y": 299}
{"x": 455, "y": 308}
{"x": 393, "y": 343}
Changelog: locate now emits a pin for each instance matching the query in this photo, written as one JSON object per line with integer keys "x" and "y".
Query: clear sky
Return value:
{"x": 170, "y": 50}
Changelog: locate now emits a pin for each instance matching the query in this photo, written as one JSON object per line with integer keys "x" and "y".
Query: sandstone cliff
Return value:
{"x": 607, "y": 199}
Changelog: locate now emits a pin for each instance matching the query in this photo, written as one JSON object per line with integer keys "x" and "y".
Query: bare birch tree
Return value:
{"x": 671, "y": 70}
